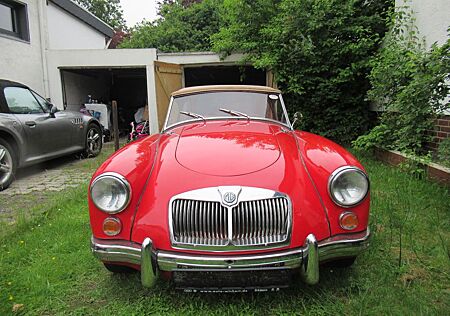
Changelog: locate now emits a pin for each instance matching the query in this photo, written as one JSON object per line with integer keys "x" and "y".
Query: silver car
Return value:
{"x": 32, "y": 130}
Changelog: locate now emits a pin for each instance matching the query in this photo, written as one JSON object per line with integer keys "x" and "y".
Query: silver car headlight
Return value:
{"x": 110, "y": 192}
{"x": 348, "y": 186}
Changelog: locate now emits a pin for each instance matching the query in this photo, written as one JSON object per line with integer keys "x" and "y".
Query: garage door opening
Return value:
{"x": 211, "y": 75}
{"x": 88, "y": 87}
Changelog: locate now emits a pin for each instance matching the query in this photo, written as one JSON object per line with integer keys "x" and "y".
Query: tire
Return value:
{"x": 8, "y": 164}
{"x": 114, "y": 268}
{"x": 341, "y": 263}
{"x": 94, "y": 141}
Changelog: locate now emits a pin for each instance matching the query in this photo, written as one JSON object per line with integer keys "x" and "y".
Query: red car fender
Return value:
{"x": 321, "y": 157}
{"x": 134, "y": 162}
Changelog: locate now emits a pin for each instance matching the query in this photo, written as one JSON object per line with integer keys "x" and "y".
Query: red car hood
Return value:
{"x": 232, "y": 150}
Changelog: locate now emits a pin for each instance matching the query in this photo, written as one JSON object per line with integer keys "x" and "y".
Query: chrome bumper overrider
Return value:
{"x": 306, "y": 258}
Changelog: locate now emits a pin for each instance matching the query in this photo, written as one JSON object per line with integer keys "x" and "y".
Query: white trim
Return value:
{"x": 151, "y": 98}
{"x": 44, "y": 40}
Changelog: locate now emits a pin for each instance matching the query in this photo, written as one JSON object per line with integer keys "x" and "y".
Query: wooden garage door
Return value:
{"x": 168, "y": 78}
{"x": 271, "y": 79}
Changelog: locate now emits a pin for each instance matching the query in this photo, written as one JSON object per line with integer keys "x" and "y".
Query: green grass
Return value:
{"x": 46, "y": 265}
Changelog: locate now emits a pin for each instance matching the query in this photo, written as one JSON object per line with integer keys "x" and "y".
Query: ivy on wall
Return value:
{"x": 411, "y": 84}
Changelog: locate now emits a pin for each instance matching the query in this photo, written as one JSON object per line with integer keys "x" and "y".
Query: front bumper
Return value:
{"x": 306, "y": 258}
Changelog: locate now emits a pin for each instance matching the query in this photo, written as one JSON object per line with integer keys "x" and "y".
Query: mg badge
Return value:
{"x": 229, "y": 197}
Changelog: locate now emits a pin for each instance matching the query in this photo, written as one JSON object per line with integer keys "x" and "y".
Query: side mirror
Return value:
{"x": 297, "y": 116}
{"x": 53, "y": 110}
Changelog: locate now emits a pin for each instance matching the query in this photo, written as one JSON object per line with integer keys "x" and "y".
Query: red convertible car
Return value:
{"x": 229, "y": 197}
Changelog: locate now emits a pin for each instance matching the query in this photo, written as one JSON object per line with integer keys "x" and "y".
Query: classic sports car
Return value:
{"x": 229, "y": 197}
{"x": 32, "y": 130}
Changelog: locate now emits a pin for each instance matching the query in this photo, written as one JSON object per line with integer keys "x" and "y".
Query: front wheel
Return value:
{"x": 94, "y": 141}
{"x": 8, "y": 164}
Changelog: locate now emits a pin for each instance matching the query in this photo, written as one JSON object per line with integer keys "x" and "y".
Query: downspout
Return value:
{"x": 43, "y": 36}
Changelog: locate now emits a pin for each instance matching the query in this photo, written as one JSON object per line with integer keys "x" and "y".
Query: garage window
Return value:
{"x": 14, "y": 20}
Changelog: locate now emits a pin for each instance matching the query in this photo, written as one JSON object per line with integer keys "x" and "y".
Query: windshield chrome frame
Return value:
{"x": 215, "y": 118}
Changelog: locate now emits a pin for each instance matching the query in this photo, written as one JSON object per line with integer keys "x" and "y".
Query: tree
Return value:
{"x": 109, "y": 11}
{"x": 320, "y": 51}
{"x": 182, "y": 26}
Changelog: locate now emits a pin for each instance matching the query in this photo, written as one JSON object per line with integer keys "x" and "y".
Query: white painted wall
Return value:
{"x": 50, "y": 28}
{"x": 22, "y": 61}
{"x": 67, "y": 32}
{"x": 432, "y": 18}
{"x": 79, "y": 86}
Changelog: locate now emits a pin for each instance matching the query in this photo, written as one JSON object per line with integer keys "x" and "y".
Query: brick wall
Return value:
{"x": 441, "y": 131}
{"x": 434, "y": 172}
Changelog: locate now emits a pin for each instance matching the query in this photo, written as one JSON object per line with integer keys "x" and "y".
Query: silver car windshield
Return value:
{"x": 226, "y": 104}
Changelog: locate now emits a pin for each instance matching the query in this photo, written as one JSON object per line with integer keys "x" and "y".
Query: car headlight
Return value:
{"x": 348, "y": 186}
{"x": 110, "y": 192}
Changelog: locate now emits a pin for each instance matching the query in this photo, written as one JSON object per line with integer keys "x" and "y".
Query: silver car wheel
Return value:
{"x": 93, "y": 141}
{"x": 6, "y": 165}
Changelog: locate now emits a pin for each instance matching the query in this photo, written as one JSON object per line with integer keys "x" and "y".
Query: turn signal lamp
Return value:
{"x": 112, "y": 226}
{"x": 348, "y": 220}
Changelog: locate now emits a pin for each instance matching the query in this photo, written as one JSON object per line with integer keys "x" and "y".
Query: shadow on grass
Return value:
{"x": 335, "y": 283}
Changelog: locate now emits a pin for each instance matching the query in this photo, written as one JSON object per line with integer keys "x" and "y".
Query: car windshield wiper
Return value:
{"x": 235, "y": 113}
{"x": 194, "y": 115}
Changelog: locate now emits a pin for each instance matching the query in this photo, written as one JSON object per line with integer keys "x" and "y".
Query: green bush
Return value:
{"x": 410, "y": 83}
{"x": 444, "y": 152}
{"x": 320, "y": 52}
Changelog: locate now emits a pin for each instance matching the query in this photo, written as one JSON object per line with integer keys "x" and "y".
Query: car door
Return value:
{"x": 42, "y": 135}
{"x": 65, "y": 124}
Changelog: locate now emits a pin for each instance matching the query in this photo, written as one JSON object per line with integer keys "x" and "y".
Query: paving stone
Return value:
{"x": 52, "y": 180}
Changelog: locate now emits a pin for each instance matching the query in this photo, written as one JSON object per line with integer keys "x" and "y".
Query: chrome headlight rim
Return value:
{"x": 124, "y": 182}
{"x": 338, "y": 172}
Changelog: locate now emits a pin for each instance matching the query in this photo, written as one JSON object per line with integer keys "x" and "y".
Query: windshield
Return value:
{"x": 226, "y": 105}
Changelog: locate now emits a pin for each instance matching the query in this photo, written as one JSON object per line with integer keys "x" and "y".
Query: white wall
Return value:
{"x": 22, "y": 61}
{"x": 50, "y": 28}
{"x": 78, "y": 86}
{"x": 67, "y": 32}
{"x": 432, "y": 18}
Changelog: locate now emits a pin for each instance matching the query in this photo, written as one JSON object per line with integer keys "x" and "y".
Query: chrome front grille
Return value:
{"x": 200, "y": 219}
{"x": 199, "y": 222}
{"x": 260, "y": 222}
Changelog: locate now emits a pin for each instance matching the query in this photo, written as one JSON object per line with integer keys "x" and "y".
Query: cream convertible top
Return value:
{"x": 200, "y": 89}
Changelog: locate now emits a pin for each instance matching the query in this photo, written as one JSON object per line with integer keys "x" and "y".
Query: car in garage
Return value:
{"x": 229, "y": 197}
{"x": 33, "y": 130}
